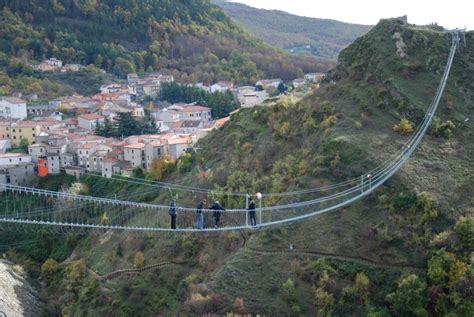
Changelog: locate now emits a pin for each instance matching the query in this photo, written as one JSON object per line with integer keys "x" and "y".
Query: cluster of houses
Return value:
{"x": 57, "y": 144}
{"x": 54, "y": 65}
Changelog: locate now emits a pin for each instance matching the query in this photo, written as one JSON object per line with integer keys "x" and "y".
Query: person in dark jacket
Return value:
{"x": 251, "y": 209}
{"x": 217, "y": 212}
{"x": 172, "y": 213}
{"x": 200, "y": 215}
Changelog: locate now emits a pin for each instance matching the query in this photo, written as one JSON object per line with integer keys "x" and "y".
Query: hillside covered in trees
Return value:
{"x": 318, "y": 37}
{"x": 193, "y": 40}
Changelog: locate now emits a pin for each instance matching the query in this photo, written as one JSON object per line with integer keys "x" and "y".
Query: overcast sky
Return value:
{"x": 449, "y": 14}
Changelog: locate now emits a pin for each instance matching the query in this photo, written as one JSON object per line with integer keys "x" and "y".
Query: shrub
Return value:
{"x": 75, "y": 275}
{"x": 288, "y": 292}
{"x": 405, "y": 126}
{"x": 139, "y": 260}
{"x": 24, "y": 143}
{"x": 79, "y": 189}
{"x": 190, "y": 245}
{"x": 464, "y": 229}
{"x": 328, "y": 121}
{"x": 409, "y": 298}
{"x": 239, "y": 306}
{"x": 185, "y": 162}
{"x": 199, "y": 304}
{"x": 441, "y": 129}
{"x": 231, "y": 238}
{"x": 362, "y": 284}
{"x": 323, "y": 302}
{"x": 445, "y": 270}
{"x": 164, "y": 166}
{"x": 49, "y": 268}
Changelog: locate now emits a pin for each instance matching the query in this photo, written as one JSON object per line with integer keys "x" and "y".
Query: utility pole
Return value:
{"x": 247, "y": 196}
{"x": 260, "y": 199}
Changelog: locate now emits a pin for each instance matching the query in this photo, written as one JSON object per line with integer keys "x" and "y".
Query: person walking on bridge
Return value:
{"x": 251, "y": 210}
{"x": 172, "y": 213}
{"x": 200, "y": 215}
{"x": 217, "y": 212}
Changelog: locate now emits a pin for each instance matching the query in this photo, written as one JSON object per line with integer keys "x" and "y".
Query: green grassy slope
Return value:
{"x": 405, "y": 250}
{"x": 326, "y": 38}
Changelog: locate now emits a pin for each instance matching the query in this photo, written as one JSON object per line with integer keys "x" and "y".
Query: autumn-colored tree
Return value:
{"x": 49, "y": 268}
{"x": 323, "y": 301}
{"x": 139, "y": 260}
{"x": 405, "y": 126}
{"x": 161, "y": 167}
{"x": 361, "y": 287}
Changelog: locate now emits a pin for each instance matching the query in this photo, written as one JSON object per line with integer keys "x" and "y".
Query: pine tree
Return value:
{"x": 149, "y": 123}
{"x": 125, "y": 125}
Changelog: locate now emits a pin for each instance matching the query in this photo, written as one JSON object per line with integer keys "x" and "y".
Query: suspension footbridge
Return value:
{"x": 30, "y": 206}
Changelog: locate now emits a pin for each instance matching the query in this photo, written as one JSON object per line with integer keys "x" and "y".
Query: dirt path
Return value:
{"x": 386, "y": 265}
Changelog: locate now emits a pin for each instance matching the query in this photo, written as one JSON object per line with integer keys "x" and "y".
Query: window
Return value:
{"x": 19, "y": 130}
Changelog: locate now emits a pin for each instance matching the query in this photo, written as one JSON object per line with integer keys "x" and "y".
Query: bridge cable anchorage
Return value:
{"x": 30, "y": 206}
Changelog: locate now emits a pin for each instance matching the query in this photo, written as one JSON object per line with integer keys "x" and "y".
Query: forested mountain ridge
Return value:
{"x": 193, "y": 40}
{"x": 319, "y": 37}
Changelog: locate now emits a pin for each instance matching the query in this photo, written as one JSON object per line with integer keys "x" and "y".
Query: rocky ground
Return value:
{"x": 17, "y": 296}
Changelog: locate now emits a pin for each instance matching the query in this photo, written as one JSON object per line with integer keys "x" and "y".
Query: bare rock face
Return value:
{"x": 17, "y": 297}
{"x": 400, "y": 45}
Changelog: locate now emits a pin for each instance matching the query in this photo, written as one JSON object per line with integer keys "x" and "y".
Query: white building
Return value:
{"x": 251, "y": 99}
{"x": 299, "y": 82}
{"x": 19, "y": 174}
{"x": 7, "y": 159}
{"x": 222, "y": 86}
{"x": 13, "y": 108}
{"x": 177, "y": 145}
{"x": 92, "y": 155}
{"x": 192, "y": 112}
{"x": 135, "y": 154}
{"x": 167, "y": 115}
{"x": 314, "y": 77}
{"x": 54, "y": 62}
{"x": 269, "y": 83}
{"x": 89, "y": 121}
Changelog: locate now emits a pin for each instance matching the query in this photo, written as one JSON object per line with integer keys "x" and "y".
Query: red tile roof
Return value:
{"x": 91, "y": 116}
